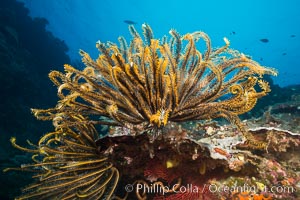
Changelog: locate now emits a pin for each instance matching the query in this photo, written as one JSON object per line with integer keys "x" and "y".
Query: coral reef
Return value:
{"x": 27, "y": 53}
{"x": 158, "y": 99}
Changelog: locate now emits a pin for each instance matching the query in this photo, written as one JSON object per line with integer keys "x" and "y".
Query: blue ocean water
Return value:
{"x": 81, "y": 23}
{"x": 50, "y": 33}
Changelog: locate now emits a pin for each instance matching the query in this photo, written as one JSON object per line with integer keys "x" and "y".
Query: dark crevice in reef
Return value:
{"x": 27, "y": 54}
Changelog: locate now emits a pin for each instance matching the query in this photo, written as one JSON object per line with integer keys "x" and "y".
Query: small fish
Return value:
{"x": 283, "y": 54}
{"x": 261, "y": 59}
{"x": 129, "y": 22}
{"x": 264, "y": 40}
{"x": 222, "y": 152}
{"x": 293, "y": 35}
{"x": 232, "y": 33}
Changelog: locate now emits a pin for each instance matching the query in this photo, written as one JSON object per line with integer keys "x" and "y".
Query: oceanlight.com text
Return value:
{"x": 159, "y": 188}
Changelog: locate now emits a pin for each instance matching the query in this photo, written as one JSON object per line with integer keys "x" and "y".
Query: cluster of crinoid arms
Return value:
{"x": 141, "y": 86}
{"x": 151, "y": 82}
{"x": 66, "y": 165}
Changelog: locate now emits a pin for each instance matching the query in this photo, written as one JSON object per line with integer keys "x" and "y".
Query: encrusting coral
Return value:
{"x": 140, "y": 88}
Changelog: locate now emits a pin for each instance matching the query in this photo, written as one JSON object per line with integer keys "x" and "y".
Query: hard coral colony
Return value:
{"x": 142, "y": 91}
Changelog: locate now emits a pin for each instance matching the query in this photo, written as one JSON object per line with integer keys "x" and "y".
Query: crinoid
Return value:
{"x": 140, "y": 87}
{"x": 67, "y": 166}
{"x": 151, "y": 82}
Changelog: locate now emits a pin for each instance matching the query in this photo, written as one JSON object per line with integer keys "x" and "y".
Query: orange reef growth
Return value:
{"x": 151, "y": 95}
